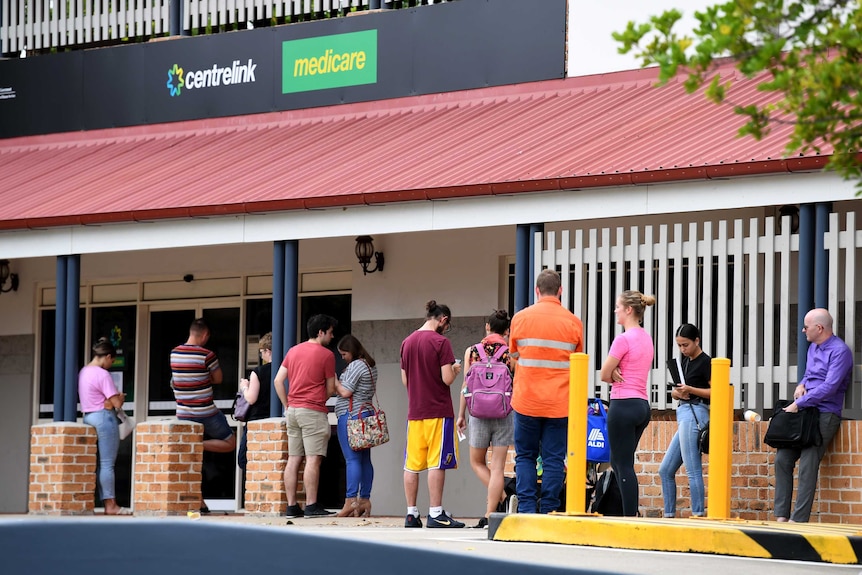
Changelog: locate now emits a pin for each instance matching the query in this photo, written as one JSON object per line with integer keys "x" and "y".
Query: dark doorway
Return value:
{"x": 333, "y": 482}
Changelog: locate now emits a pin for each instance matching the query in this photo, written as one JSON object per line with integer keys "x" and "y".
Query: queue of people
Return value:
{"x": 534, "y": 348}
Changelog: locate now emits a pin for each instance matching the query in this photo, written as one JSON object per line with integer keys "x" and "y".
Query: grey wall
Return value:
{"x": 16, "y": 389}
{"x": 464, "y": 494}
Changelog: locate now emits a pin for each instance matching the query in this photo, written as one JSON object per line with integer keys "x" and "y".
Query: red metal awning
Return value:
{"x": 606, "y": 130}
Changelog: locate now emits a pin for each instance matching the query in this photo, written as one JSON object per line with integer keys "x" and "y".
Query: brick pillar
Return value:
{"x": 267, "y": 456}
{"x": 168, "y": 467}
{"x": 62, "y": 469}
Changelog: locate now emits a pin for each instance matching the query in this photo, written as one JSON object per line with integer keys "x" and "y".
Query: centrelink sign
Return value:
{"x": 180, "y": 80}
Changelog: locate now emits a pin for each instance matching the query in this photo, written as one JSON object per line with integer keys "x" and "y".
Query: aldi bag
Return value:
{"x": 598, "y": 446}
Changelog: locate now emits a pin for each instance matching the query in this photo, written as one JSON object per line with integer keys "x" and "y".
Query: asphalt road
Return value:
{"x": 474, "y": 543}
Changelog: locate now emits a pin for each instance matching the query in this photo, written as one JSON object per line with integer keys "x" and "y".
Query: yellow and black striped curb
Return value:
{"x": 822, "y": 542}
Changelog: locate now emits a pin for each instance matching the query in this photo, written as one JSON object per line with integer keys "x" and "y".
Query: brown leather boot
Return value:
{"x": 348, "y": 509}
{"x": 362, "y": 507}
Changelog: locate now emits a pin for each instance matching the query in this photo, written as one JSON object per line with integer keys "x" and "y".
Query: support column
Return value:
{"x": 291, "y": 294}
{"x": 62, "y": 469}
{"x": 60, "y": 340}
{"x": 522, "y": 265}
{"x": 73, "y": 303}
{"x": 805, "y": 282}
{"x": 168, "y": 463}
{"x": 278, "y": 349}
{"x": 267, "y": 457}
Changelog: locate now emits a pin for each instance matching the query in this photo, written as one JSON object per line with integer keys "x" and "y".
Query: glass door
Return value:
{"x": 169, "y": 327}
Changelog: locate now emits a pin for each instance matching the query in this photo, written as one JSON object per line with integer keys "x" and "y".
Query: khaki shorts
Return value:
{"x": 308, "y": 432}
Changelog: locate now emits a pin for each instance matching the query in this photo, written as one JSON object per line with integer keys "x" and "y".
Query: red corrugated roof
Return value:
{"x": 613, "y": 129}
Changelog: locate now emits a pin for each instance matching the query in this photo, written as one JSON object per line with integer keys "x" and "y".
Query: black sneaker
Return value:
{"x": 412, "y": 521}
{"x": 317, "y": 510}
{"x": 444, "y": 520}
{"x": 483, "y": 524}
{"x": 294, "y": 511}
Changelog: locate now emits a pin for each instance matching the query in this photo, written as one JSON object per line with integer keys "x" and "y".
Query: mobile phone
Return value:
{"x": 457, "y": 362}
{"x": 461, "y": 436}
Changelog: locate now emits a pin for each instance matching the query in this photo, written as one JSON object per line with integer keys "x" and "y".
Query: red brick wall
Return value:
{"x": 168, "y": 462}
{"x": 267, "y": 456}
{"x": 838, "y": 498}
{"x": 62, "y": 469}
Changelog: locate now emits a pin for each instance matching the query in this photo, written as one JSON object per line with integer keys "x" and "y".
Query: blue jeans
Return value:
{"x": 683, "y": 449}
{"x": 360, "y": 472}
{"x": 108, "y": 437}
{"x": 547, "y": 437}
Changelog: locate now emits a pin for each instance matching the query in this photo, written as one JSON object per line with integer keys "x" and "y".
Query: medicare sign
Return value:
{"x": 329, "y": 62}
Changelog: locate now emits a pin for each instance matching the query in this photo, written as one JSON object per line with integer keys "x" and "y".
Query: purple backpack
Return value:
{"x": 489, "y": 386}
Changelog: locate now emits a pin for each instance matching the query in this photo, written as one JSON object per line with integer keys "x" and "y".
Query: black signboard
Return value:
{"x": 370, "y": 56}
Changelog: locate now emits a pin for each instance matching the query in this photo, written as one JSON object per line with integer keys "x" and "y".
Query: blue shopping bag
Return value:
{"x": 598, "y": 446}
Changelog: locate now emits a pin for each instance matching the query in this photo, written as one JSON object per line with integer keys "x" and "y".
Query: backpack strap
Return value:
{"x": 503, "y": 349}
{"x": 480, "y": 349}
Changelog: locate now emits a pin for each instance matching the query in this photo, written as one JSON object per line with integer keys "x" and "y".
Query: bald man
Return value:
{"x": 828, "y": 373}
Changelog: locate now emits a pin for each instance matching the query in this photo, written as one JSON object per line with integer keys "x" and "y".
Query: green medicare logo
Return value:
{"x": 329, "y": 62}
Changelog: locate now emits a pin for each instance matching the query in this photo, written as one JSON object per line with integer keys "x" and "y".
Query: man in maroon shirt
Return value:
{"x": 428, "y": 368}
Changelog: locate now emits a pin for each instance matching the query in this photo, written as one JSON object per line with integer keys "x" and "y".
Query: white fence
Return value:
{"x": 42, "y": 24}
{"x": 735, "y": 280}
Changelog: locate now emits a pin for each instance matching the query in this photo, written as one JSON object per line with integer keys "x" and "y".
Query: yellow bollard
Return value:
{"x": 720, "y": 439}
{"x": 576, "y": 461}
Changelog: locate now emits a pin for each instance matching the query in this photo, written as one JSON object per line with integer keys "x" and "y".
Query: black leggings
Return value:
{"x": 627, "y": 420}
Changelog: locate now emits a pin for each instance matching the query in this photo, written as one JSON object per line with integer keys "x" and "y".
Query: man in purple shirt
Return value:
{"x": 827, "y": 375}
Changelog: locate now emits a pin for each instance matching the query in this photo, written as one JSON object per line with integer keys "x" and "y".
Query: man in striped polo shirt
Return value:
{"x": 195, "y": 370}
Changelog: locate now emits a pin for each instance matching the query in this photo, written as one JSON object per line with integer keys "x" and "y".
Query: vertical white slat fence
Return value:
{"x": 733, "y": 279}
{"x": 42, "y": 24}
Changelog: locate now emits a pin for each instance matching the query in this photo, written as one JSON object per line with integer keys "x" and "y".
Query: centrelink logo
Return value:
{"x": 596, "y": 438}
{"x": 236, "y": 73}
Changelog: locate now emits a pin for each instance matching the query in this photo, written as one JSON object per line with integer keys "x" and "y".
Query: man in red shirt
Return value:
{"x": 428, "y": 368}
{"x": 309, "y": 367}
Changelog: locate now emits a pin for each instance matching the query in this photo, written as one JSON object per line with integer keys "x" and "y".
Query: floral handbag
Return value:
{"x": 368, "y": 428}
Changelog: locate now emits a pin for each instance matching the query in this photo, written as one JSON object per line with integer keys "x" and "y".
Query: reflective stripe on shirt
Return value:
{"x": 548, "y": 363}
{"x": 553, "y": 344}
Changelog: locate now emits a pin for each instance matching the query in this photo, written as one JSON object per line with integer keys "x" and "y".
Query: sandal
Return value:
{"x": 122, "y": 511}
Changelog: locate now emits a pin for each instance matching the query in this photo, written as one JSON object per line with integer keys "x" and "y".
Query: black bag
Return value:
{"x": 608, "y": 500}
{"x": 795, "y": 430}
{"x": 702, "y": 433}
{"x": 703, "y": 439}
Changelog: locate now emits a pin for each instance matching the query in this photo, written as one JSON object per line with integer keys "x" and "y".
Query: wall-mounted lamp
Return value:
{"x": 5, "y": 276}
{"x": 365, "y": 251}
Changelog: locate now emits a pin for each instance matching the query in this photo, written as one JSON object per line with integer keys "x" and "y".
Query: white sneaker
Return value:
{"x": 513, "y": 504}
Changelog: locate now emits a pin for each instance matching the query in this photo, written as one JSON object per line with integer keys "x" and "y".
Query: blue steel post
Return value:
{"x": 60, "y": 339}
{"x": 534, "y": 229}
{"x": 73, "y": 283}
{"x": 522, "y": 263}
{"x": 175, "y": 17}
{"x": 291, "y": 294}
{"x": 821, "y": 258}
{"x": 275, "y": 407}
{"x": 806, "y": 281}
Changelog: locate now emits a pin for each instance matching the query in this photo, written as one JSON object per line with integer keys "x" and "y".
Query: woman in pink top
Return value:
{"x": 99, "y": 397}
{"x": 627, "y": 370}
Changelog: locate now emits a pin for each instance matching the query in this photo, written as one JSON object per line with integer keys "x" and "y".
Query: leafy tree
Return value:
{"x": 808, "y": 52}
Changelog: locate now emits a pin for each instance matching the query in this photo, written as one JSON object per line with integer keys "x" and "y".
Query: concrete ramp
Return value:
{"x": 821, "y": 542}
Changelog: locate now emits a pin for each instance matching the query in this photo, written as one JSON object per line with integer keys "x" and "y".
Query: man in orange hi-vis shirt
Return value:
{"x": 541, "y": 338}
